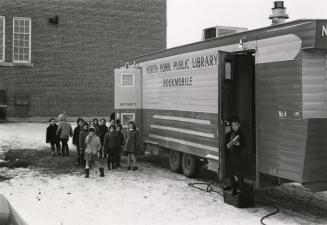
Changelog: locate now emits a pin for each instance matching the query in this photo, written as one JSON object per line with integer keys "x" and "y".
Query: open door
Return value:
{"x": 224, "y": 72}
{"x": 237, "y": 99}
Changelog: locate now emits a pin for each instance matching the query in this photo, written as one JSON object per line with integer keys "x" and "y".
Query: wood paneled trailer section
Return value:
{"x": 274, "y": 79}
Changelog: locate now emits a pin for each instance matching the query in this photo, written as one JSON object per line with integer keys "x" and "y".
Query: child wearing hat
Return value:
{"x": 64, "y": 131}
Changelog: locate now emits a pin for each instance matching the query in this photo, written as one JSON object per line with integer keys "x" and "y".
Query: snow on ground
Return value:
{"x": 153, "y": 195}
{"x": 23, "y": 135}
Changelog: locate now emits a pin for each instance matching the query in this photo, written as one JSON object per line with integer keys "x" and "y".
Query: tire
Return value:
{"x": 190, "y": 164}
{"x": 175, "y": 161}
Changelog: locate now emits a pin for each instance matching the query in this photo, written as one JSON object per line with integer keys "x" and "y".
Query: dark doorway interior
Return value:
{"x": 239, "y": 101}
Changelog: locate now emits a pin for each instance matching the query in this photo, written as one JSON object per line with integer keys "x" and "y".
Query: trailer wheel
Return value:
{"x": 175, "y": 161}
{"x": 189, "y": 165}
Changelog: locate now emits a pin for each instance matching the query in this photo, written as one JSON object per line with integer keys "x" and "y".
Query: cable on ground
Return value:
{"x": 209, "y": 189}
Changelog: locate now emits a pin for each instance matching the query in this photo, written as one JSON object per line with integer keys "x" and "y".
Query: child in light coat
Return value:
{"x": 64, "y": 131}
{"x": 93, "y": 146}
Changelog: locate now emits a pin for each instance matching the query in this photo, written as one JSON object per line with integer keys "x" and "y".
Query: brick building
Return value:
{"x": 59, "y": 55}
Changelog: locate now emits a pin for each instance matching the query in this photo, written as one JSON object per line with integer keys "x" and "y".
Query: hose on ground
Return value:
{"x": 270, "y": 214}
{"x": 209, "y": 188}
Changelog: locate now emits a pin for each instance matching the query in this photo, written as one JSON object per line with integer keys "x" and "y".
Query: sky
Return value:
{"x": 187, "y": 18}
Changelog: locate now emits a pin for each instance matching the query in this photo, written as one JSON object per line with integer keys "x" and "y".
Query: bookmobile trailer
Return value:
{"x": 274, "y": 79}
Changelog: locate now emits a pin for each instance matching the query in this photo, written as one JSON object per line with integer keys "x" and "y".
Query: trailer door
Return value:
{"x": 224, "y": 73}
{"x": 127, "y": 84}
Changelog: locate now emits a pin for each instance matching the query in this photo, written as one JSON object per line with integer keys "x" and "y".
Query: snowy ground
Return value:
{"x": 152, "y": 195}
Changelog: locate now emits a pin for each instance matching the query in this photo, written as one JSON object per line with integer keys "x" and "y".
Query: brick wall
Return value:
{"x": 73, "y": 61}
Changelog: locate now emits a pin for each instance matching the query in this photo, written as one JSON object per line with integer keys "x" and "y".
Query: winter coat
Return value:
{"x": 234, "y": 154}
{"x": 111, "y": 142}
{"x": 97, "y": 129}
{"x": 237, "y": 148}
{"x": 51, "y": 135}
{"x": 120, "y": 139}
{"x": 132, "y": 144}
{"x": 64, "y": 130}
{"x": 93, "y": 144}
{"x": 103, "y": 129}
{"x": 77, "y": 130}
{"x": 81, "y": 139}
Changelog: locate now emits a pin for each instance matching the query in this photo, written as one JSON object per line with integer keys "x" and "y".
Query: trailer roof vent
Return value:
{"x": 278, "y": 13}
{"x": 219, "y": 31}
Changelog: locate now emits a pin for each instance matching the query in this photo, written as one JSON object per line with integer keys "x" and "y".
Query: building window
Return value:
{"x": 126, "y": 117}
{"x": 2, "y": 38}
{"x": 127, "y": 80}
{"x": 22, "y": 40}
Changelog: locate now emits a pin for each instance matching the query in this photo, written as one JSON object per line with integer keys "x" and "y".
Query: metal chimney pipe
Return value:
{"x": 278, "y": 13}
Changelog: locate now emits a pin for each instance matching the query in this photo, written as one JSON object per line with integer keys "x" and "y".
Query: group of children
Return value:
{"x": 95, "y": 142}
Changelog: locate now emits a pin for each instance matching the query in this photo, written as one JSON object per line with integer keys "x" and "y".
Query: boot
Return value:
{"x": 87, "y": 173}
{"x": 101, "y": 172}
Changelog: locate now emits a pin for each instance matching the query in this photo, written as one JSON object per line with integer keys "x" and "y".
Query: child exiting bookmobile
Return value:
{"x": 234, "y": 145}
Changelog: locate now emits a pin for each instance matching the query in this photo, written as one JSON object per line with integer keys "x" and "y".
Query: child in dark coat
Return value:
{"x": 132, "y": 145}
{"x": 103, "y": 129}
{"x": 120, "y": 143}
{"x": 111, "y": 147}
{"x": 81, "y": 142}
{"x": 52, "y": 137}
{"x": 76, "y": 132}
{"x": 96, "y": 126}
{"x": 234, "y": 146}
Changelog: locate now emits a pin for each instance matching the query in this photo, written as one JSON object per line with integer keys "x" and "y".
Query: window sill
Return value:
{"x": 12, "y": 64}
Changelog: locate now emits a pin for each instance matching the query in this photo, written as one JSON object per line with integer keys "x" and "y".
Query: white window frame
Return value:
{"x": 122, "y": 118}
{"x": 121, "y": 80}
{"x": 30, "y": 40}
{"x": 3, "y": 39}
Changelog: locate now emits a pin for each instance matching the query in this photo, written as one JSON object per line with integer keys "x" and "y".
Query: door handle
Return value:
{"x": 224, "y": 122}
